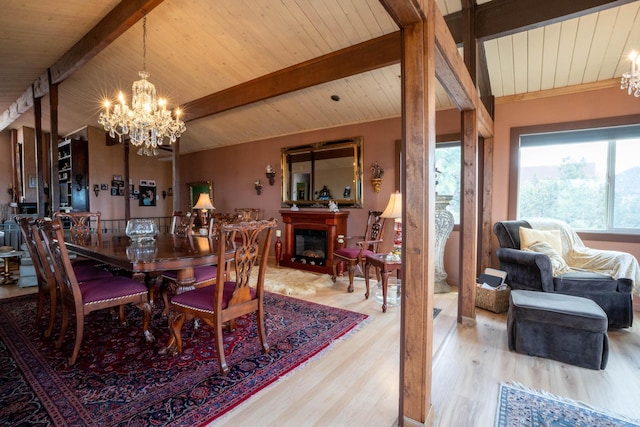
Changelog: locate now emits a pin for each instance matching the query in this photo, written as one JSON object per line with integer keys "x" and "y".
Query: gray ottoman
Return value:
{"x": 562, "y": 327}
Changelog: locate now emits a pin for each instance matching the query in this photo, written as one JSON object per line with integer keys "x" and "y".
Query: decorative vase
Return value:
{"x": 278, "y": 250}
{"x": 444, "y": 226}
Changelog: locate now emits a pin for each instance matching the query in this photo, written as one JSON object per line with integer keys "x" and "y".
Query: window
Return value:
{"x": 586, "y": 177}
{"x": 448, "y": 155}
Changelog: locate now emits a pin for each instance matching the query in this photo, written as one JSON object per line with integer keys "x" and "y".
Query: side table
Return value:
{"x": 7, "y": 279}
{"x": 386, "y": 267}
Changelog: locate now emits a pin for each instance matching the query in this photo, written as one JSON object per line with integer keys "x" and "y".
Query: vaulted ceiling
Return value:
{"x": 223, "y": 60}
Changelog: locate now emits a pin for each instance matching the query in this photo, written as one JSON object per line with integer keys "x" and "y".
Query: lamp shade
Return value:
{"x": 394, "y": 207}
{"x": 204, "y": 202}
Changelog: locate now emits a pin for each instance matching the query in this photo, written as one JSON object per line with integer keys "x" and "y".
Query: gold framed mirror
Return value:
{"x": 316, "y": 174}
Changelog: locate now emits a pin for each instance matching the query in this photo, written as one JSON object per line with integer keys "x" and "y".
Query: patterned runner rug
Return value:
{"x": 523, "y": 407}
{"x": 119, "y": 379}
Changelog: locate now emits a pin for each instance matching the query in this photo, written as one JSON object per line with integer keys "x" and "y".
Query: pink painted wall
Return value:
{"x": 580, "y": 106}
{"x": 234, "y": 170}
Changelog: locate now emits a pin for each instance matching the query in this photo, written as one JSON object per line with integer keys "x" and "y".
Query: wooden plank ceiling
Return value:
{"x": 196, "y": 48}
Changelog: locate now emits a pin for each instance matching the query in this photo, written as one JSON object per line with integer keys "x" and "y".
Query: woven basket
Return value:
{"x": 496, "y": 301}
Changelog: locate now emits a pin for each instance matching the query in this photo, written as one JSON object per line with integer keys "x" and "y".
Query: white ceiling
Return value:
{"x": 199, "y": 47}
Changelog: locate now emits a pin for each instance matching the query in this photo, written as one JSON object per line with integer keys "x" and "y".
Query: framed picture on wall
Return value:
{"x": 33, "y": 181}
{"x": 147, "y": 195}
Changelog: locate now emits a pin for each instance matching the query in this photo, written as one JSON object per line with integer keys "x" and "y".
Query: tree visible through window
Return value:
{"x": 587, "y": 178}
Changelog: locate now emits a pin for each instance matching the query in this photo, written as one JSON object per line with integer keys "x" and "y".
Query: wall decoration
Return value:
{"x": 151, "y": 182}
{"x": 143, "y": 182}
{"x": 33, "y": 181}
{"x": 117, "y": 177}
{"x": 147, "y": 196}
{"x": 114, "y": 191}
{"x": 104, "y": 186}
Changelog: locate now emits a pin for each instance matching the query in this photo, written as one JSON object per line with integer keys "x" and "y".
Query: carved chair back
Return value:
{"x": 181, "y": 223}
{"x": 82, "y": 224}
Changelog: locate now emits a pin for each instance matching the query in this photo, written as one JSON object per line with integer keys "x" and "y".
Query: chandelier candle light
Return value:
{"x": 147, "y": 122}
{"x": 631, "y": 79}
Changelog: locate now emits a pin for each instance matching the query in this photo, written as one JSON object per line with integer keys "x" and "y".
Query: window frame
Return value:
{"x": 514, "y": 166}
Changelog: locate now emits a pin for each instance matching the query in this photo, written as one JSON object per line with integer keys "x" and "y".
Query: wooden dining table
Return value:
{"x": 165, "y": 252}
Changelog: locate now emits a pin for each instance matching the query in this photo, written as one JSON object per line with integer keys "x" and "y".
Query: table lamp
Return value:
{"x": 204, "y": 204}
{"x": 394, "y": 210}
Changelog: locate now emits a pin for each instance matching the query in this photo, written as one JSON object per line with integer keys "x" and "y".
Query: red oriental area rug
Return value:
{"x": 119, "y": 379}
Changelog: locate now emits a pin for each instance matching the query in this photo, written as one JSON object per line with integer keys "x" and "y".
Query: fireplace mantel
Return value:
{"x": 334, "y": 223}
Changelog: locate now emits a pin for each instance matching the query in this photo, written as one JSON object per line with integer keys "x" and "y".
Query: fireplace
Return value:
{"x": 310, "y": 237}
{"x": 310, "y": 246}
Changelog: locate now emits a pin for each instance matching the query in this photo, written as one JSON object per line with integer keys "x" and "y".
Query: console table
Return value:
{"x": 329, "y": 224}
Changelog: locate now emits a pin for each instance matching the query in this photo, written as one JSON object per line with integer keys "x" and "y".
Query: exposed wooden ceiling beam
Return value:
{"x": 499, "y": 18}
{"x": 403, "y": 12}
{"x": 115, "y": 23}
{"x": 369, "y": 55}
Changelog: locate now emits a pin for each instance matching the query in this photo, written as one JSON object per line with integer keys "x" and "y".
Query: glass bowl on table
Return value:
{"x": 141, "y": 230}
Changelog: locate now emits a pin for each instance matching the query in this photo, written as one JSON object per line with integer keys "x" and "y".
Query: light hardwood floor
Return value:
{"x": 355, "y": 382}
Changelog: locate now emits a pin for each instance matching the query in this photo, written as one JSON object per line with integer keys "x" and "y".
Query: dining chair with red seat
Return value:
{"x": 205, "y": 275}
{"x": 81, "y": 226}
{"x": 44, "y": 273}
{"x": 107, "y": 292}
{"x": 229, "y": 298}
{"x": 355, "y": 256}
{"x": 182, "y": 223}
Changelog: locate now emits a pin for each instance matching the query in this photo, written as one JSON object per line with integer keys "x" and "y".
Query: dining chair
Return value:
{"x": 205, "y": 275}
{"x": 96, "y": 294}
{"x": 182, "y": 223}
{"x": 44, "y": 273}
{"x": 247, "y": 214}
{"x": 81, "y": 224}
{"x": 355, "y": 256}
{"x": 229, "y": 298}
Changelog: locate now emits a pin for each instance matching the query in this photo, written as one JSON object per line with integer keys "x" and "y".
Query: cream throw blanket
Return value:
{"x": 579, "y": 257}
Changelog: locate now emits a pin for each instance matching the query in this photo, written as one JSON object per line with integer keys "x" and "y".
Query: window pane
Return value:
{"x": 448, "y": 180}
{"x": 627, "y": 190}
{"x": 566, "y": 182}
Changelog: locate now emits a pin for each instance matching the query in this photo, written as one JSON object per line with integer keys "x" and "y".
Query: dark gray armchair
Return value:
{"x": 532, "y": 271}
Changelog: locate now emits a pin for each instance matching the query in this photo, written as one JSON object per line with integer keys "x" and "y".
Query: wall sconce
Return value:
{"x": 258, "y": 186}
{"x": 376, "y": 176}
{"x": 96, "y": 189}
{"x": 164, "y": 194}
{"x": 271, "y": 175}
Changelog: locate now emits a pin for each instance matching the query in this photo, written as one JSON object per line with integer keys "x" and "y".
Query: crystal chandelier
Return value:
{"x": 148, "y": 122}
{"x": 631, "y": 80}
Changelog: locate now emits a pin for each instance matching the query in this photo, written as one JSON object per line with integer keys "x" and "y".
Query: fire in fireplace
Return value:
{"x": 310, "y": 246}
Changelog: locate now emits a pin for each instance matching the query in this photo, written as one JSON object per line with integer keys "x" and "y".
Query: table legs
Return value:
{"x": 385, "y": 282}
{"x": 7, "y": 279}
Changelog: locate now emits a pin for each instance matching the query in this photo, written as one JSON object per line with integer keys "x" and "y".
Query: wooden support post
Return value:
{"x": 418, "y": 186}
{"x": 468, "y": 217}
{"x": 54, "y": 184}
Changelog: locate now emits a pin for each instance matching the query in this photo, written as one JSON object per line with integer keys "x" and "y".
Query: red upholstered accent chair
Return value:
{"x": 229, "y": 299}
{"x": 107, "y": 292}
{"x": 354, "y": 257}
